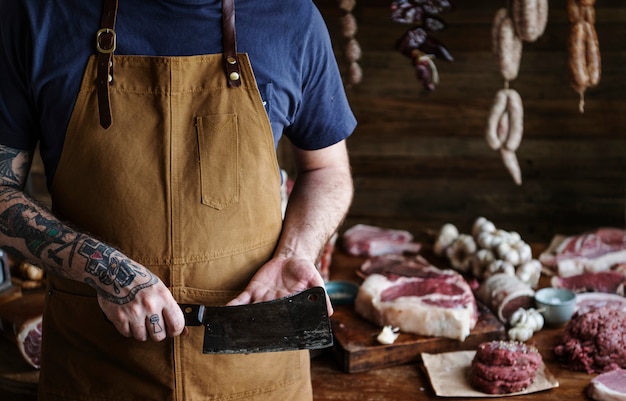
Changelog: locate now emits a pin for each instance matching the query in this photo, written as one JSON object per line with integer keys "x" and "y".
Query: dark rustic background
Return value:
{"x": 420, "y": 159}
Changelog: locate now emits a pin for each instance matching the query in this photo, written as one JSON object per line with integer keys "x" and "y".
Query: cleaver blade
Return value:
{"x": 296, "y": 322}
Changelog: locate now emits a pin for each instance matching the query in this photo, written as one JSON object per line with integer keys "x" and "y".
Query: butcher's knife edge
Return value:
{"x": 296, "y": 322}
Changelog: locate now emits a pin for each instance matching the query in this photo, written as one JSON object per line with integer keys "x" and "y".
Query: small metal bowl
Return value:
{"x": 557, "y": 305}
{"x": 342, "y": 292}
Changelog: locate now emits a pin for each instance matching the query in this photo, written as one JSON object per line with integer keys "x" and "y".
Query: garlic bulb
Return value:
{"x": 460, "y": 252}
{"x": 490, "y": 251}
{"x": 482, "y": 225}
{"x": 480, "y": 260}
{"x": 498, "y": 267}
{"x": 524, "y": 323}
{"x": 530, "y": 272}
{"x": 447, "y": 234}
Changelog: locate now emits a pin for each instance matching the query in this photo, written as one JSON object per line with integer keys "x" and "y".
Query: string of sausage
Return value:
{"x": 352, "y": 47}
{"x": 505, "y": 124}
{"x": 584, "y": 48}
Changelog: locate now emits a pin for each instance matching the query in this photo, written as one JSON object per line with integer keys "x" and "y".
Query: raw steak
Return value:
{"x": 591, "y": 251}
{"x": 594, "y": 341}
{"x": 435, "y": 303}
{"x": 395, "y": 265}
{"x": 365, "y": 240}
{"x": 29, "y": 341}
{"x": 609, "y": 386}
{"x": 606, "y": 281}
{"x": 20, "y": 321}
{"x": 589, "y": 301}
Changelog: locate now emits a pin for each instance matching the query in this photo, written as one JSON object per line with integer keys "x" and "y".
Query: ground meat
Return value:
{"x": 503, "y": 367}
{"x": 506, "y": 373}
{"x": 499, "y": 386}
{"x": 507, "y": 353}
{"x": 594, "y": 341}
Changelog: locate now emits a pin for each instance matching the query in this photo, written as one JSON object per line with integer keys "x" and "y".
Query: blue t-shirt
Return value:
{"x": 44, "y": 47}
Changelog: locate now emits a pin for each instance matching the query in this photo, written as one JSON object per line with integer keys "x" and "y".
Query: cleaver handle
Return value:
{"x": 194, "y": 314}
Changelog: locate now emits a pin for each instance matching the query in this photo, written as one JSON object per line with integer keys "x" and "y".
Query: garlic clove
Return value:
{"x": 482, "y": 225}
{"x": 519, "y": 317}
{"x": 520, "y": 333}
{"x": 388, "y": 335}
{"x": 512, "y": 256}
{"x": 485, "y": 240}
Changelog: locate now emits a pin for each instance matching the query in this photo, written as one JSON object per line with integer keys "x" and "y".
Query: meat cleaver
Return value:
{"x": 299, "y": 321}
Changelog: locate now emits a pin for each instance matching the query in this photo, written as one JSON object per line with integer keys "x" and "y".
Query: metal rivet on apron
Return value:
{"x": 231, "y": 60}
{"x": 234, "y": 76}
{"x": 110, "y": 78}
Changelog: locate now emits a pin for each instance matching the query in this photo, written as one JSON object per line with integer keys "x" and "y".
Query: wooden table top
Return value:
{"x": 410, "y": 382}
{"x": 330, "y": 382}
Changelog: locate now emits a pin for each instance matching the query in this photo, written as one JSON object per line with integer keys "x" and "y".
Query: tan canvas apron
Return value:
{"x": 184, "y": 181}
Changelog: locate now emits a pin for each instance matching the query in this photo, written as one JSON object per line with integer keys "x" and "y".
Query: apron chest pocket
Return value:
{"x": 218, "y": 145}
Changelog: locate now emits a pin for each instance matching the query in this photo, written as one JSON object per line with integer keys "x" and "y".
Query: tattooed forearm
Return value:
{"x": 14, "y": 166}
{"x": 9, "y": 194}
{"x": 32, "y": 232}
{"x": 119, "y": 278}
{"x": 39, "y": 233}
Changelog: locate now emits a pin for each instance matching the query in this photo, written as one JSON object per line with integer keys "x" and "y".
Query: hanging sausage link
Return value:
{"x": 505, "y": 127}
{"x": 352, "y": 49}
{"x": 531, "y": 18}
{"x": 584, "y": 48}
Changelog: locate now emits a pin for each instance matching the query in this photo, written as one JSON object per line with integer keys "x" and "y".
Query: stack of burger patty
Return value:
{"x": 503, "y": 367}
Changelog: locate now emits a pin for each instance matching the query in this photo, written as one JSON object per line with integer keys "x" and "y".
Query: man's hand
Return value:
{"x": 318, "y": 202}
{"x": 281, "y": 277}
{"x": 134, "y": 299}
{"x": 151, "y": 314}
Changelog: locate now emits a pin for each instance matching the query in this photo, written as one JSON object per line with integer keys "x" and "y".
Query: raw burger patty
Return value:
{"x": 508, "y": 353}
{"x": 500, "y": 386}
{"x": 503, "y": 372}
{"x": 503, "y": 367}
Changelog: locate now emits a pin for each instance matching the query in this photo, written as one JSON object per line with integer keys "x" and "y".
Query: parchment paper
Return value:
{"x": 448, "y": 373}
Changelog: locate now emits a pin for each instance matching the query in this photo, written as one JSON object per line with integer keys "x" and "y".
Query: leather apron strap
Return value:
{"x": 106, "y": 43}
{"x": 229, "y": 40}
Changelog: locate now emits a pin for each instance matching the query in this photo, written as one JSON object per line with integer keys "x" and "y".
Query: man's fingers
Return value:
{"x": 329, "y": 306}
{"x": 174, "y": 321}
{"x": 242, "y": 299}
{"x": 155, "y": 327}
{"x": 139, "y": 331}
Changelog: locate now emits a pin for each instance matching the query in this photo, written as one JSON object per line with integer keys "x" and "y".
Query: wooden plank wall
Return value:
{"x": 420, "y": 159}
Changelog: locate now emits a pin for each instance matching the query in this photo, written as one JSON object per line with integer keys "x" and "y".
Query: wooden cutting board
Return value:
{"x": 357, "y": 349}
